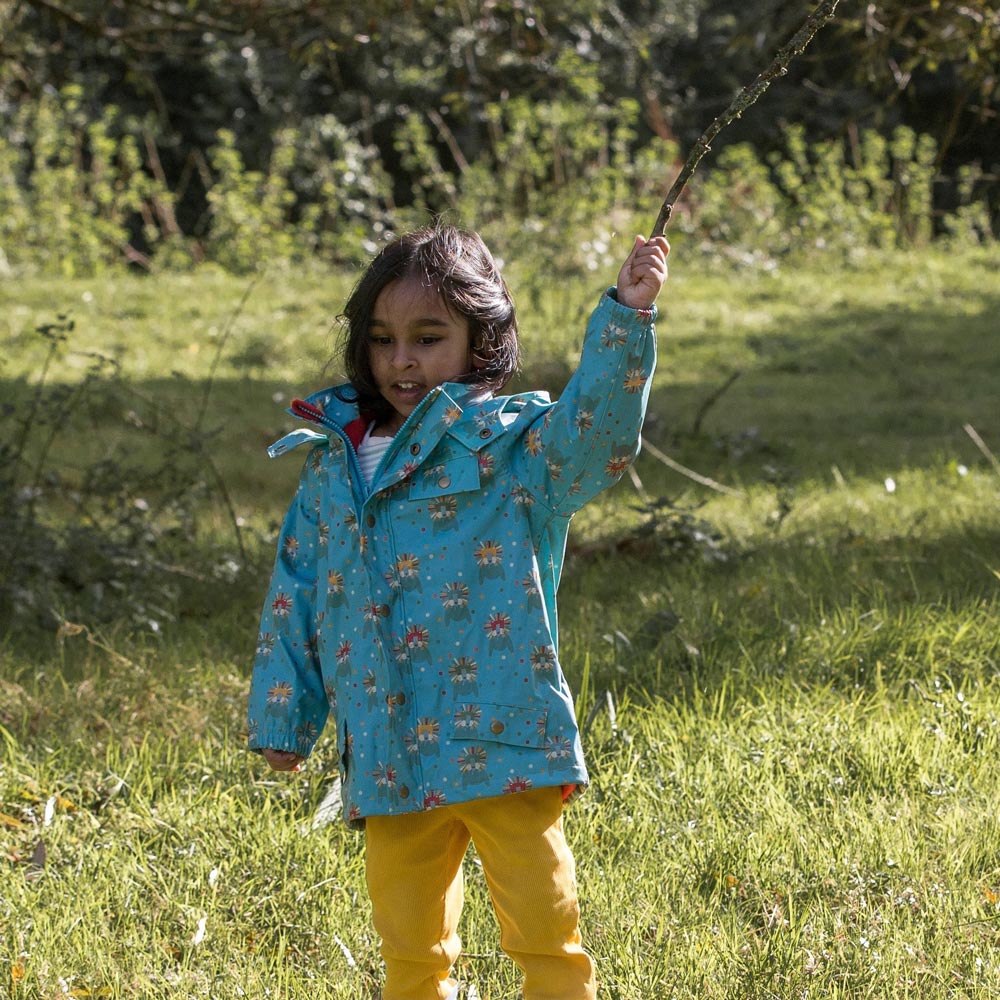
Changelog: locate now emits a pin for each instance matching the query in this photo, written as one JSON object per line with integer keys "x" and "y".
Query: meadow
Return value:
{"x": 787, "y": 676}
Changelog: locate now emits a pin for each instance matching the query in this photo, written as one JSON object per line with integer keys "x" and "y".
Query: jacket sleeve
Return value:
{"x": 288, "y": 705}
{"x": 584, "y": 443}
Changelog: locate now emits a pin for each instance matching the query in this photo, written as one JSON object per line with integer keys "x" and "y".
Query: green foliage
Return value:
{"x": 566, "y": 172}
{"x": 943, "y": 42}
{"x": 250, "y": 209}
{"x": 320, "y": 199}
{"x": 343, "y": 191}
{"x": 411, "y": 91}
{"x": 432, "y": 187}
{"x": 873, "y": 193}
{"x": 565, "y": 175}
{"x": 969, "y": 224}
{"x": 737, "y": 202}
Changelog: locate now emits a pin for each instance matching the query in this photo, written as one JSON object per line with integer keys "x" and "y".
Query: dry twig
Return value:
{"x": 981, "y": 445}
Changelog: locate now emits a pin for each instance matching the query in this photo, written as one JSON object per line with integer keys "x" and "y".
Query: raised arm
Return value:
{"x": 584, "y": 443}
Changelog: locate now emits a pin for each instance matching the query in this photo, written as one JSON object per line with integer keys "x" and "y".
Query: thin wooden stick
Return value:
{"x": 743, "y": 100}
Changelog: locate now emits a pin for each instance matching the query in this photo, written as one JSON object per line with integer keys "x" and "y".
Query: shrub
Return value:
{"x": 111, "y": 536}
{"x": 870, "y": 193}
{"x": 80, "y": 192}
{"x": 74, "y": 193}
{"x": 249, "y": 209}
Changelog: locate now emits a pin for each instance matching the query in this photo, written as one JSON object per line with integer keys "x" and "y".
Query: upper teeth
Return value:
{"x": 407, "y": 385}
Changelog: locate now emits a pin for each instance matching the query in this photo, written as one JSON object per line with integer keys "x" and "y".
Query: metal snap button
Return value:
{"x": 485, "y": 433}
{"x": 415, "y": 448}
{"x": 370, "y": 520}
{"x": 383, "y": 610}
{"x": 444, "y": 482}
{"x": 497, "y": 727}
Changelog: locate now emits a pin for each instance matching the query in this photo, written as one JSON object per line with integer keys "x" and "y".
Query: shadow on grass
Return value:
{"x": 866, "y": 389}
{"x": 862, "y": 393}
{"x": 869, "y": 391}
{"x": 830, "y": 607}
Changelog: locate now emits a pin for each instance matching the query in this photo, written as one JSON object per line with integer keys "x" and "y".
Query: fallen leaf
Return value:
{"x": 39, "y": 854}
{"x": 37, "y": 863}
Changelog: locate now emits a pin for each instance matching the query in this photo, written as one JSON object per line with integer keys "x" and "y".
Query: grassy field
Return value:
{"x": 792, "y": 706}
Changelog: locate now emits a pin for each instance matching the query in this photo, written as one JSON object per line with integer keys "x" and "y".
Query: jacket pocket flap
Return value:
{"x": 456, "y": 475}
{"x": 484, "y": 721}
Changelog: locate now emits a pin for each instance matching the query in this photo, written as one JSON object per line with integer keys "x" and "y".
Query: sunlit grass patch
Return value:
{"x": 789, "y": 692}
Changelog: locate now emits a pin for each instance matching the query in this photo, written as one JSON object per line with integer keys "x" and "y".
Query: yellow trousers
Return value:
{"x": 414, "y": 871}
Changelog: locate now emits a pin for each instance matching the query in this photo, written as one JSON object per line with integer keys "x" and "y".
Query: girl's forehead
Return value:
{"x": 407, "y": 296}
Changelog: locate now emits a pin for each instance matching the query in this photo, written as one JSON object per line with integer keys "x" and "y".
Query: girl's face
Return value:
{"x": 415, "y": 342}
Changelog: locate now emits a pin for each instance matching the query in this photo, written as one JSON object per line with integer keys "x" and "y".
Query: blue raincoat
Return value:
{"x": 417, "y": 616}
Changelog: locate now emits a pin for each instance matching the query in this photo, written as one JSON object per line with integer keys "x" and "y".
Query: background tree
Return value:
{"x": 388, "y": 104}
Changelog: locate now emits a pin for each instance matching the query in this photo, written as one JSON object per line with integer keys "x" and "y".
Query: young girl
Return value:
{"x": 413, "y": 600}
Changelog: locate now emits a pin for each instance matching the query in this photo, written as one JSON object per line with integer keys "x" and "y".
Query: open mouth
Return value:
{"x": 408, "y": 393}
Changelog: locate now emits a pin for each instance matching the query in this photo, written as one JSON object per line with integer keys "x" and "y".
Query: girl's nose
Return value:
{"x": 402, "y": 358}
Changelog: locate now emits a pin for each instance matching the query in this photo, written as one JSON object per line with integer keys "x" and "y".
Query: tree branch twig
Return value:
{"x": 743, "y": 100}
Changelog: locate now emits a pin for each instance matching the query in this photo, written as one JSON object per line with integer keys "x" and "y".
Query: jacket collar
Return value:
{"x": 453, "y": 408}
{"x": 445, "y": 409}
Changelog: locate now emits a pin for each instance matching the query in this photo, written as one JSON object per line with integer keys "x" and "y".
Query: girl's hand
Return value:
{"x": 282, "y": 760}
{"x": 643, "y": 273}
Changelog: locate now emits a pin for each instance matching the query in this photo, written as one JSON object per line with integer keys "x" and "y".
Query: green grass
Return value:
{"x": 797, "y": 794}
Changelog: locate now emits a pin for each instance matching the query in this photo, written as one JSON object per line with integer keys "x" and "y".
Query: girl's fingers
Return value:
{"x": 282, "y": 760}
{"x": 644, "y": 272}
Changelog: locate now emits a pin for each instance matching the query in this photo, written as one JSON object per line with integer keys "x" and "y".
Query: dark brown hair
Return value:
{"x": 459, "y": 267}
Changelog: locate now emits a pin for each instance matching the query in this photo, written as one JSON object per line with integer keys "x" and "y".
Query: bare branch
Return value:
{"x": 743, "y": 100}
{"x": 65, "y": 14}
{"x": 711, "y": 401}
{"x": 448, "y": 138}
{"x": 671, "y": 463}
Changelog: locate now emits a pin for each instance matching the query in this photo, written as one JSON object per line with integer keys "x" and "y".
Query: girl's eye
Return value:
{"x": 378, "y": 341}
{"x": 427, "y": 341}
